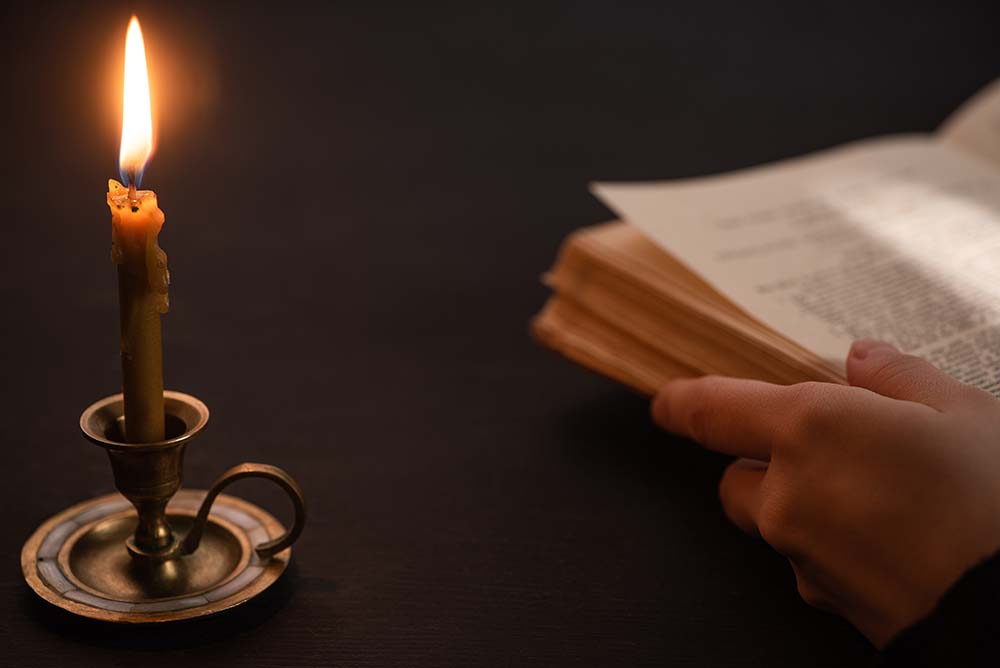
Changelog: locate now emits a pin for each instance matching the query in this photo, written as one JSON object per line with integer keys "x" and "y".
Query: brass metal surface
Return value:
{"x": 147, "y": 474}
{"x": 95, "y": 559}
{"x": 177, "y": 553}
{"x": 83, "y": 568}
{"x": 251, "y": 470}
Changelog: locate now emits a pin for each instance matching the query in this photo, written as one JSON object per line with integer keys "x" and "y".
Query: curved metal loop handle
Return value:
{"x": 249, "y": 470}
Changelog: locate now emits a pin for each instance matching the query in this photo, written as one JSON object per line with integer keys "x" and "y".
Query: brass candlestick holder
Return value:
{"x": 155, "y": 552}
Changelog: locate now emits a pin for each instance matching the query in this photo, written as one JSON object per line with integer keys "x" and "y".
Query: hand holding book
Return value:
{"x": 879, "y": 484}
{"x": 881, "y": 494}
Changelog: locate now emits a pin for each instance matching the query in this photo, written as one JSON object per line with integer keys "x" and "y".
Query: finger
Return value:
{"x": 737, "y": 417}
{"x": 810, "y": 591}
{"x": 879, "y": 367}
{"x": 740, "y": 493}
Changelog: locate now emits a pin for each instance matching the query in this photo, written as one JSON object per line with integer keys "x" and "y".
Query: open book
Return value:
{"x": 772, "y": 272}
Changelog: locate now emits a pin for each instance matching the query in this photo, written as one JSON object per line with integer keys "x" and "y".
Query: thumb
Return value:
{"x": 879, "y": 367}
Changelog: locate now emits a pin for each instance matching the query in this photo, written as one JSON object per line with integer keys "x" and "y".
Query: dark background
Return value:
{"x": 360, "y": 199}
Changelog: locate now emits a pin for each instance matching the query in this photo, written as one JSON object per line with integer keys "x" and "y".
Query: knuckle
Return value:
{"x": 820, "y": 419}
{"x": 813, "y": 411}
{"x": 895, "y": 370}
{"x": 774, "y": 522}
{"x": 808, "y": 391}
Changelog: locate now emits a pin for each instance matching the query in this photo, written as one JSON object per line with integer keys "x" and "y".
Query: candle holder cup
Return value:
{"x": 160, "y": 553}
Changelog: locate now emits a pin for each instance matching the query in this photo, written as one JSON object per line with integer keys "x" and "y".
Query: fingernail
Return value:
{"x": 863, "y": 347}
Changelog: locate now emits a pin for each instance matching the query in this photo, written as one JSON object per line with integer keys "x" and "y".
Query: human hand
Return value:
{"x": 881, "y": 494}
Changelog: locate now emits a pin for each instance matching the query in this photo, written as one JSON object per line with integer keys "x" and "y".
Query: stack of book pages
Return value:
{"x": 771, "y": 272}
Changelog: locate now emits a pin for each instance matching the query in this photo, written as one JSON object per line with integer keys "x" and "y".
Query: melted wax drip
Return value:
{"x": 157, "y": 272}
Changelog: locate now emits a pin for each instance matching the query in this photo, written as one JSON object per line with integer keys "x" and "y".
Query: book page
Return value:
{"x": 975, "y": 127}
{"x": 895, "y": 239}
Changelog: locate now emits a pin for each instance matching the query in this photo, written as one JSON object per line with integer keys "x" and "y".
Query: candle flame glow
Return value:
{"x": 137, "y": 120}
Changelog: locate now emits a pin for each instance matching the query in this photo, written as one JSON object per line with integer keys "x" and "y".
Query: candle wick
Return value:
{"x": 133, "y": 198}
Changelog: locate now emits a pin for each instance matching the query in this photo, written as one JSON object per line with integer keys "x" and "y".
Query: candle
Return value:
{"x": 142, "y": 266}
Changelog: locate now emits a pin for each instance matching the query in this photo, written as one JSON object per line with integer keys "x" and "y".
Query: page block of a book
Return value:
{"x": 895, "y": 239}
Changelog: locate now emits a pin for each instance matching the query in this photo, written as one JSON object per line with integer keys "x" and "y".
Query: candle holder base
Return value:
{"x": 78, "y": 560}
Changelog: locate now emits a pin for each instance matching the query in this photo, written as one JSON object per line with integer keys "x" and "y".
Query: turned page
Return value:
{"x": 895, "y": 239}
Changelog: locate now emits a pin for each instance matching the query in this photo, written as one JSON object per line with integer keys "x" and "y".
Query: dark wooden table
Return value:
{"x": 359, "y": 203}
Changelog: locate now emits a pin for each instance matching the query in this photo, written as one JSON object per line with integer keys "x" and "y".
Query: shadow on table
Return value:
{"x": 614, "y": 433}
{"x": 164, "y": 636}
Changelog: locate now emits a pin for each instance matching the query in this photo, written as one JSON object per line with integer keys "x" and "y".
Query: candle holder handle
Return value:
{"x": 250, "y": 470}
{"x": 149, "y": 474}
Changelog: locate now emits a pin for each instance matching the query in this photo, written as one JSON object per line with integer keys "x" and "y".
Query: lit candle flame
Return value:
{"x": 137, "y": 120}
